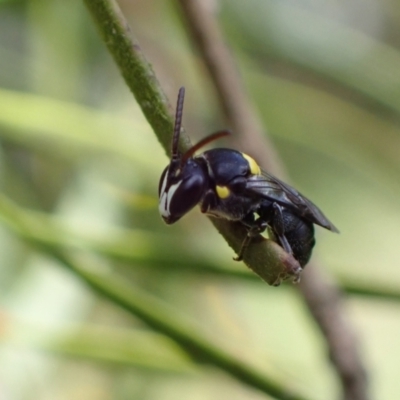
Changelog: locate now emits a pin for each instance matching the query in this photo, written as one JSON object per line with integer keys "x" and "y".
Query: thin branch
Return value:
{"x": 137, "y": 72}
{"x": 151, "y": 310}
{"x": 264, "y": 257}
{"x": 325, "y": 302}
{"x": 320, "y": 293}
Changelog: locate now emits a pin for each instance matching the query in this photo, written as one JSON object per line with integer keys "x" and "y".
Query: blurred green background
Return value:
{"x": 77, "y": 155}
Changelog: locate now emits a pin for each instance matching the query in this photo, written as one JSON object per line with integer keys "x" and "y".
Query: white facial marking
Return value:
{"x": 165, "y": 198}
{"x": 162, "y": 205}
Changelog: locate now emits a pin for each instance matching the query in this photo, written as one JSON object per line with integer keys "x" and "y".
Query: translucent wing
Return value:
{"x": 272, "y": 188}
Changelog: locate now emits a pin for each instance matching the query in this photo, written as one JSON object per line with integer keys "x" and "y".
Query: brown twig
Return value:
{"x": 232, "y": 96}
{"x": 325, "y": 303}
{"x": 322, "y": 296}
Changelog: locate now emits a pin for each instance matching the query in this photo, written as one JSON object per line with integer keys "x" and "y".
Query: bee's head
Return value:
{"x": 180, "y": 189}
{"x": 185, "y": 180}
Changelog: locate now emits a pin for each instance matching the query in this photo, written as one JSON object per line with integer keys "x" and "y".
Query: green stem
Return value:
{"x": 137, "y": 72}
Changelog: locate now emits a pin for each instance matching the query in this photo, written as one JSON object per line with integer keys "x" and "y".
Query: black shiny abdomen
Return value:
{"x": 300, "y": 235}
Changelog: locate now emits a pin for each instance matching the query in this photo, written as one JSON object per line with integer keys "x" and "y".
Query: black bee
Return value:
{"x": 229, "y": 184}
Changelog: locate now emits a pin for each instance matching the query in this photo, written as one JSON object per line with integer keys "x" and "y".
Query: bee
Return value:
{"x": 231, "y": 185}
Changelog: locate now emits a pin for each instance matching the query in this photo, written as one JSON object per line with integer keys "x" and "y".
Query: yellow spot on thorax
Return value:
{"x": 222, "y": 191}
{"x": 254, "y": 167}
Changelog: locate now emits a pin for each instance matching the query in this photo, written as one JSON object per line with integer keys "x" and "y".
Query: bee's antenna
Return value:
{"x": 178, "y": 123}
{"x": 203, "y": 142}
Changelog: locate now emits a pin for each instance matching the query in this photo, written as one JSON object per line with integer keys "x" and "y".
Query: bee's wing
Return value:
{"x": 272, "y": 188}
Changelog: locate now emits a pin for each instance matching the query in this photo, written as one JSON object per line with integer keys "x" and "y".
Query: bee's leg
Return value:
{"x": 279, "y": 228}
{"x": 209, "y": 201}
{"x": 243, "y": 247}
{"x": 255, "y": 227}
